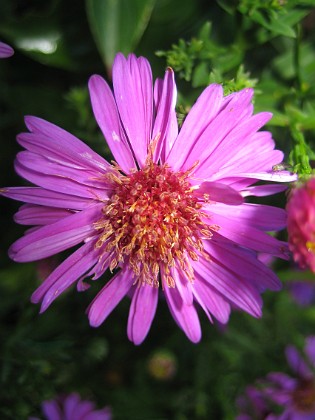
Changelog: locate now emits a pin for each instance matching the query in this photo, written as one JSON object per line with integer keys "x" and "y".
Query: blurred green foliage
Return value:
{"x": 268, "y": 45}
{"x": 118, "y": 25}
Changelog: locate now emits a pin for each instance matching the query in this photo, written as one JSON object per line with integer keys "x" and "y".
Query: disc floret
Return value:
{"x": 153, "y": 219}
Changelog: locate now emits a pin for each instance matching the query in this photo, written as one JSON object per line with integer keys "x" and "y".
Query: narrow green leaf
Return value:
{"x": 118, "y": 25}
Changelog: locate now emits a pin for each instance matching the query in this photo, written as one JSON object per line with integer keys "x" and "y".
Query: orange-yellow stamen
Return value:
{"x": 310, "y": 246}
{"x": 151, "y": 220}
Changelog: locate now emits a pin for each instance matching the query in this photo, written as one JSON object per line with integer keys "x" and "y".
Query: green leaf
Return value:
{"x": 41, "y": 40}
{"x": 200, "y": 75}
{"x": 118, "y": 25}
{"x": 226, "y": 6}
{"x": 285, "y": 66}
{"x": 282, "y": 24}
{"x": 279, "y": 24}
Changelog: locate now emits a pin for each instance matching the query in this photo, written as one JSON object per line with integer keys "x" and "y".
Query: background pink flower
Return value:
{"x": 280, "y": 396}
{"x": 301, "y": 224}
{"x": 72, "y": 407}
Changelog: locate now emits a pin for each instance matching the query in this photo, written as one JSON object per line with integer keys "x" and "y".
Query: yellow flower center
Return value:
{"x": 153, "y": 219}
{"x": 310, "y": 246}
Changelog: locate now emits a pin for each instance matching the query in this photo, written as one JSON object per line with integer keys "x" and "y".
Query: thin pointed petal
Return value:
{"x": 109, "y": 297}
{"x": 107, "y": 117}
{"x": 185, "y": 315}
{"x": 142, "y": 311}
{"x": 215, "y": 191}
{"x": 132, "y": 81}
{"x": 43, "y": 197}
{"x": 51, "y": 239}
{"x": 67, "y": 273}
{"x": 165, "y": 124}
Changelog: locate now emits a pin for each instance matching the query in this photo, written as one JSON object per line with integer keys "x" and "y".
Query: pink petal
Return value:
{"x": 61, "y": 153}
{"x": 51, "y": 410}
{"x": 211, "y": 301}
{"x": 230, "y": 285}
{"x": 107, "y": 117}
{"x": 38, "y": 215}
{"x": 142, "y": 311}
{"x": 183, "y": 285}
{"x": 165, "y": 124}
{"x": 243, "y": 263}
{"x": 263, "y": 190}
{"x": 245, "y": 140}
{"x": 297, "y": 363}
{"x": 59, "y": 142}
{"x": 46, "y": 166}
{"x": 249, "y": 237}
{"x": 72, "y": 406}
{"x": 44, "y": 197}
{"x": 109, "y": 297}
{"x": 51, "y": 239}
{"x": 219, "y": 192}
{"x": 260, "y": 216}
{"x": 202, "y": 303}
{"x": 253, "y": 163}
{"x": 132, "y": 81}
{"x": 283, "y": 176}
{"x": 197, "y": 120}
{"x": 238, "y": 148}
{"x": 70, "y": 270}
{"x": 185, "y": 315}
{"x": 285, "y": 384}
{"x": 58, "y": 180}
{"x": 204, "y": 143}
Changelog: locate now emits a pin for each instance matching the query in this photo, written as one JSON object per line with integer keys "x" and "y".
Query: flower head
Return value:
{"x": 301, "y": 224}
{"x": 254, "y": 405}
{"x": 70, "y": 407}
{"x": 169, "y": 214}
{"x": 293, "y": 396}
{"x": 5, "y": 50}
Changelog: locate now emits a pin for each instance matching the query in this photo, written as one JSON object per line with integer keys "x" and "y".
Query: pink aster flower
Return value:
{"x": 254, "y": 405}
{"x": 292, "y": 397}
{"x": 5, "y": 50}
{"x": 301, "y": 224}
{"x": 71, "y": 407}
{"x": 169, "y": 214}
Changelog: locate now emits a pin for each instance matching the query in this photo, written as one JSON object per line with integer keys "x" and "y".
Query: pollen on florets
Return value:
{"x": 151, "y": 220}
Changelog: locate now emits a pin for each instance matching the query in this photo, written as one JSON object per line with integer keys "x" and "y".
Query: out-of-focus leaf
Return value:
{"x": 42, "y": 40}
{"x": 117, "y": 25}
{"x": 230, "y": 60}
{"x": 192, "y": 58}
{"x": 303, "y": 119}
{"x": 281, "y": 23}
{"x": 275, "y": 17}
{"x": 276, "y": 24}
{"x": 201, "y": 75}
{"x": 226, "y": 6}
{"x": 285, "y": 64}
